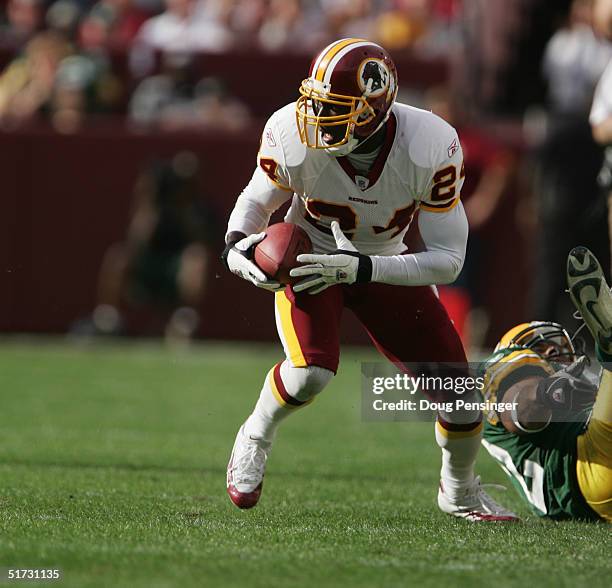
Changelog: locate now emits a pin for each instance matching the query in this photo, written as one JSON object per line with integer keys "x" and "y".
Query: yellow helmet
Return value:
{"x": 548, "y": 339}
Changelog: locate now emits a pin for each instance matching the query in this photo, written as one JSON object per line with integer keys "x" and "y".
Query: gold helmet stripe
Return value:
{"x": 506, "y": 340}
{"x": 321, "y": 66}
{"x": 339, "y": 55}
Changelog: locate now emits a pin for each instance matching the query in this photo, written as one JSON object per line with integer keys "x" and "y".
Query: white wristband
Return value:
{"x": 520, "y": 427}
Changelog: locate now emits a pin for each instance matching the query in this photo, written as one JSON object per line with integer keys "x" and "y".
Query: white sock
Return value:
{"x": 460, "y": 443}
{"x": 286, "y": 389}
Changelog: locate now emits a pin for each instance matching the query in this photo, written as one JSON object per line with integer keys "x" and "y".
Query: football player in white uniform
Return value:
{"x": 357, "y": 166}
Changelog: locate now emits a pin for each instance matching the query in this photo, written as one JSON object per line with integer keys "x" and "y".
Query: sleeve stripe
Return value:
{"x": 439, "y": 207}
{"x": 279, "y": 185}
{"x": 269, "y": 176}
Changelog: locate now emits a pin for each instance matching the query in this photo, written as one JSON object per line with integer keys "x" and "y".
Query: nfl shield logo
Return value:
{"x": 362, "y": 182}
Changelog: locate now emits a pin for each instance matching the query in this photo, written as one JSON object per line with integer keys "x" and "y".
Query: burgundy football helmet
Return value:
{"x": 347, "y": 96}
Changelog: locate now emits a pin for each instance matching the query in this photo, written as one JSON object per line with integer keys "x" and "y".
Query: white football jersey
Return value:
{"x": 601, "y": 108}
{"x": 420, "y": 165}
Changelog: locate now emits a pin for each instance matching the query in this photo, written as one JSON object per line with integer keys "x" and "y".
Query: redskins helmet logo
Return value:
{"x": 373, "y": 77}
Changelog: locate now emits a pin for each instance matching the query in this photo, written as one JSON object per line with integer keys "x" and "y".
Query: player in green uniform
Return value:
{"x": 556, "y": 444}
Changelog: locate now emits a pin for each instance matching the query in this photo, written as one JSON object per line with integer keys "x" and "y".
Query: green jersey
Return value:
{"x": 542, "y": 465}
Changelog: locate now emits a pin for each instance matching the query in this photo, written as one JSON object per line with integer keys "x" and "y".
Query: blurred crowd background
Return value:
{"x": 129, "y": 127}
{"x": 67, "y": 59}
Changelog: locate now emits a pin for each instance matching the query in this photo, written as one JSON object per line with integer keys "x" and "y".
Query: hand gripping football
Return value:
{"x": 276, "y": 254}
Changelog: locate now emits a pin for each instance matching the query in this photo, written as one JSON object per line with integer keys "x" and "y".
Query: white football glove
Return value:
{"x": 238, "y": 260}
{"x": 344, "y": 266}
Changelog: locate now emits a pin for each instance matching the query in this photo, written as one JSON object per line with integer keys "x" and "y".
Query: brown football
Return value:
{"x": 276, "y": 254}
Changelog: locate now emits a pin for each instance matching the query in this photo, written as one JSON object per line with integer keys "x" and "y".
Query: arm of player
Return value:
{"x": 255, "y": 205}
{"x": 238, "y": 259}
{"x": 442, "y": 223}
{"x": 568, "y": 391}
{"x": 250, "y": 216}
{"x": 528, "y": 415}
{"x": 445, "y": 236}
{"x": 601, "y": 110}
{"x": 443, "y": 226}
{"x": 265, "y": 193}
{"x": 538, "y": 400}
{"x": 344, "y": 266}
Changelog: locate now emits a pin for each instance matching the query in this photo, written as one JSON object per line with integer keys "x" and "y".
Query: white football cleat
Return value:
{"x": 591, "y": 295}
{"x": 246, "y": 468}
{"x": 475, "y": 505}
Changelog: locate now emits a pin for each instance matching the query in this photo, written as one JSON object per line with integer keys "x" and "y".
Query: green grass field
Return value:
{"x": 112, "y": 468}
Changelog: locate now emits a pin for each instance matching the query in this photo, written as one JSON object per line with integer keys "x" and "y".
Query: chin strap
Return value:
{"x": 345, "y": 149}
{"x": 353, "y": 142}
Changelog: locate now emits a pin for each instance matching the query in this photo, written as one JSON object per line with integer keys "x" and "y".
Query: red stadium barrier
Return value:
{"x": 66, "y": 198}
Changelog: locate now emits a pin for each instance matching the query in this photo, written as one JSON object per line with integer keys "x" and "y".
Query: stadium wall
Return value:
{"x": 66, "y": 198}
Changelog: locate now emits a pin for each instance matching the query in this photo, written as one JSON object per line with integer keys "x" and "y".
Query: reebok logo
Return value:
{"x": 270, "y": 138}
